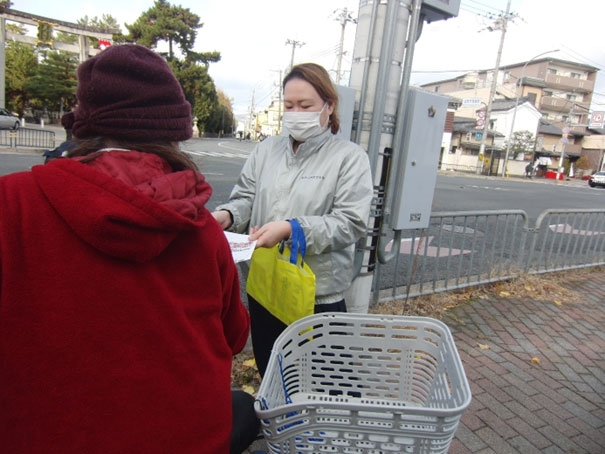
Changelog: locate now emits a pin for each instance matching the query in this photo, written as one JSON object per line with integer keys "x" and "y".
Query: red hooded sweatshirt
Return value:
{"x": 120, "y": 310}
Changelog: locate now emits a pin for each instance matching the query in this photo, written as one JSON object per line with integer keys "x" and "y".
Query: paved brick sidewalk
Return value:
{"x": 520, "y": 406}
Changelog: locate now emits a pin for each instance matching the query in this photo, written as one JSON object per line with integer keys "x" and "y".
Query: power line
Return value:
{"x": 481, "y": 5}
{"x": 587, "y": 59}
{"x": 483, "y": 9}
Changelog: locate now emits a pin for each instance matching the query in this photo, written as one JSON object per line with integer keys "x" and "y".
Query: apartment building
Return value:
{"x": 561, "y": 90}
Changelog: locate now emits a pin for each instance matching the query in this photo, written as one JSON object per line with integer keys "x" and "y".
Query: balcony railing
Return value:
{"x": 569, "y": 83}
{"x": 553, "y": 103}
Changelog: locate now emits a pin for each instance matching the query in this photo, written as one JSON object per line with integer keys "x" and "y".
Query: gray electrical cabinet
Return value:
{"x": 418, "y": 160}
{"x": 434, "y": 10}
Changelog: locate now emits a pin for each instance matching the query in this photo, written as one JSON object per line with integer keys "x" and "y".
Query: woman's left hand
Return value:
{"x": 271, "y": 233}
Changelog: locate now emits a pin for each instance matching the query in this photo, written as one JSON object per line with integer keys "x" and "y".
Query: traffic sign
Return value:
{"x": 597, "y": 120}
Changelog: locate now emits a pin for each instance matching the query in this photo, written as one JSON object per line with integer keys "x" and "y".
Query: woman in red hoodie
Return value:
{"x": 120, "y": 303}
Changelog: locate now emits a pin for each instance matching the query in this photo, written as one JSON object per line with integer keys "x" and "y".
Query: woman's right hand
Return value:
{"x": 223, "y": 217}
{"x": 271, "y": 233}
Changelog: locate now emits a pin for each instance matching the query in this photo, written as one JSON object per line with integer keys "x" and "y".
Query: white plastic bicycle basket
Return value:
{"x": 359, "y": 383}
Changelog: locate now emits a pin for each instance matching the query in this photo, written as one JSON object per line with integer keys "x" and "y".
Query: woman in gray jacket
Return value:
{"x": 322, "y": 181}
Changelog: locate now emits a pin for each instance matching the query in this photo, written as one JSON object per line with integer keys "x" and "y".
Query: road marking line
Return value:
{"x": 224, "y": 145}
{"x": 431, "y": 251}
{"x": 214, "y": 154}
{"x": 566, "y": 228}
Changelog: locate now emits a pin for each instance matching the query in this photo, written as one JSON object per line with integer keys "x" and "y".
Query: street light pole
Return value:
{"x": 561, "y": 167}
{"x": 512, "y": 123}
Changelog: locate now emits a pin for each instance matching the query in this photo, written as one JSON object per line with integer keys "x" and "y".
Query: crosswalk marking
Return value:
{"x": 218, "y": 154}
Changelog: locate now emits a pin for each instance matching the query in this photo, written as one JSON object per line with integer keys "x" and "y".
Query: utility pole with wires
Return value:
{"x": 279, "y": 105}
{"x": 250, "y": 115}
{"x": 294, "y": 44}
{"x": 344, "y": 17}
{"x": 501, "y": 24}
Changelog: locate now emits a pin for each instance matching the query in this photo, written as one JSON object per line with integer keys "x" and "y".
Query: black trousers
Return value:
{"x": 245, "y": 423}
{"x": 265, "y": 329}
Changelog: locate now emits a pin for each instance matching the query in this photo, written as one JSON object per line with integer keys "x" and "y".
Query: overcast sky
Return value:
{"x": 251, "y": 37}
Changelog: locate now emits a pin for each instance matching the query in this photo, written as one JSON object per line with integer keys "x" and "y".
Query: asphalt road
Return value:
{"x": 221, "y": 160}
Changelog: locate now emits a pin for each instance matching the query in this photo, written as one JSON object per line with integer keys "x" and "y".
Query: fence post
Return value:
{"x": 12, "y": 139}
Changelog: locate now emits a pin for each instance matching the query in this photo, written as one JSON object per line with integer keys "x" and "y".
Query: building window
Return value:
{"x": 437, "y": 89}
{"x": 552, "y": 71}
{"x": 571, "y": 97}
{"x": 547, "y": 93}
{"x": 576, "y": 76}
{"x": 453, "y": 149}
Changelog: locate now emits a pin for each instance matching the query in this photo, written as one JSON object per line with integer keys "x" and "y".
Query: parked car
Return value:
{"x": 597, "y": 179}
{"x": 8, "y": 120}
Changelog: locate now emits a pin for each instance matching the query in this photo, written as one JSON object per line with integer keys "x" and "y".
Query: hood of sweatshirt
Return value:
{"x": 126, "y": 204}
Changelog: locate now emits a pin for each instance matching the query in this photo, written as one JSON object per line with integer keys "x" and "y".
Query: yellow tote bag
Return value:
{"x": 281, "y": 281}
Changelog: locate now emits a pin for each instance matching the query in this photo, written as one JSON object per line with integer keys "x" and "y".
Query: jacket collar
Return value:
{"x": 313, "y": 144}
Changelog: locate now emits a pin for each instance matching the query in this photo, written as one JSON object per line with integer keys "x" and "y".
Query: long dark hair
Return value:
{"x": 169, "y": 151}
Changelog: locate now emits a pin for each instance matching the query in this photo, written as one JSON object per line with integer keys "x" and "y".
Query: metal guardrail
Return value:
{"x": 462, "y": 249}
{"x": 567, "y": 239}
{"x": 27, "y": 137}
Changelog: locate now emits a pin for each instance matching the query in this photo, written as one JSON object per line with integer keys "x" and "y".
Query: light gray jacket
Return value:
{"x": 326, "y": 186}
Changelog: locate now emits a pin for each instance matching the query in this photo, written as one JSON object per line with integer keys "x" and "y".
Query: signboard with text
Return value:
{"x": 471, "y": 102}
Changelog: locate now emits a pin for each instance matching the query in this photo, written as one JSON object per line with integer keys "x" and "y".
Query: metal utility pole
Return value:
{"x": 344, "y": 17}
{"x": 502, "y": 24}
{"x": 250, "y": 114}
{"x": 279, "y": 105}
{"x": 294, "y": 44}
{"x": 380, "y": 74}
{"x": 376, "y": 75}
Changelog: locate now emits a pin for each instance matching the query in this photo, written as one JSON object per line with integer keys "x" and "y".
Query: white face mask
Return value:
{"x": 304, "y": 125}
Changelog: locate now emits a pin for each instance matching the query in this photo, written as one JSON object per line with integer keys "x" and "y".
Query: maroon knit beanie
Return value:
{"x": 129, "y": 92}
